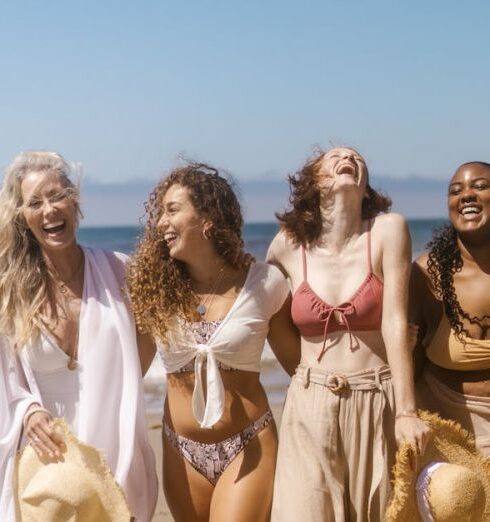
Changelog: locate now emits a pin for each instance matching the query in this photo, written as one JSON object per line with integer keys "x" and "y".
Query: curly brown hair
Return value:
{"x": 160, "y": 286}
{"x": 303, "y": 221}
{"x": 443, "y": 262}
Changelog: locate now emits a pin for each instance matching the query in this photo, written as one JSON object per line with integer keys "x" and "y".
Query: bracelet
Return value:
{"x": 31, "y": 411}
{"x": 407, "y": 413}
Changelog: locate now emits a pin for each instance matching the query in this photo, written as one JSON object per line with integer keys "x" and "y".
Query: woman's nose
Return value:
{"x": 162, "y": 222}
{"x": 48, "y": 207}
{"x": 468, "y": 194}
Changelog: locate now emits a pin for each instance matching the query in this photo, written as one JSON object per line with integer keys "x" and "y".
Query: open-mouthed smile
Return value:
{"x": 169, "y": 237}
{"x": 54, "y": 228}
{"x": 347, "y": 168}
{"x": 470, "y": 211}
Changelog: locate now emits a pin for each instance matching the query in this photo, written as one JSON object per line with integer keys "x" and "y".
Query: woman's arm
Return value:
{"x": 418, "y": 327}
{"x": 276, "y": 252}
{"x": 19, "y": 407}
{"x": 396, "y": 273}
{"x": 284, "y": 338}
{"x": 146, "y": 351}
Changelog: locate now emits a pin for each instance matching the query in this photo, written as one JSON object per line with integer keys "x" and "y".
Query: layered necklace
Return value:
{"x": 64, "y": 290}
{"x": 62, "y": 285}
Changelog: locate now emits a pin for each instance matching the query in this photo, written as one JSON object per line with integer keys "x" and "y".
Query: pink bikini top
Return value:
{"x": 362, "y": 312}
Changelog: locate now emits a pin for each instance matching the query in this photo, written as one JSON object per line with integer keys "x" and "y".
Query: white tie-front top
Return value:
{"x": 237, "y": 342}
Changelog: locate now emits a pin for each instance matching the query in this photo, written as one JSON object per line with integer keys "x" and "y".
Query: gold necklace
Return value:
{"x": 72, "y": 363}
{"x": 203, "y": 307}
{"x": 62, "y": 285}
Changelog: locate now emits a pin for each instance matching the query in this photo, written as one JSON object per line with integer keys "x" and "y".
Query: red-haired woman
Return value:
{"x": 352, "y": 396}
{"x": 450, "y": 303}
{"x": 193, "y": 288}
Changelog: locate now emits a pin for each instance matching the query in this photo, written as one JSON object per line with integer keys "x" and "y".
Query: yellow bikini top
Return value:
{"x": 447, "y": 351}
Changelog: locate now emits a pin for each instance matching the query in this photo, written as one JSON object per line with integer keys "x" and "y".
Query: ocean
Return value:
{"x": 257, "y": 238}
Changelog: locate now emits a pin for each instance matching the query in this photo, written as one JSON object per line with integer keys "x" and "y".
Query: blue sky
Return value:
{"x": 125, "y": 87}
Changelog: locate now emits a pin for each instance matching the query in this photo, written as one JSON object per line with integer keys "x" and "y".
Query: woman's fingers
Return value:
{"x": 421, "y": 440}
{"x": 42, "y": 437}
{"x": 45, "y": 441}
{"x": 414, "y": 431}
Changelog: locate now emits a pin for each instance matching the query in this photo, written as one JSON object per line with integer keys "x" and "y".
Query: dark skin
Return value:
{"x": 469, "y": 213}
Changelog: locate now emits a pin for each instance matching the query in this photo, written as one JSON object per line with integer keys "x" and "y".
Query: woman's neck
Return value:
{"x": 475, "y": 252}
{"x": 205, "y": 271}
{"x": 342, "y": 221}
{"x": 64, "y": 263}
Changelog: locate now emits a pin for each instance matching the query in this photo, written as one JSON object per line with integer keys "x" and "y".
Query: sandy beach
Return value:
{"x": 162, "y": 513}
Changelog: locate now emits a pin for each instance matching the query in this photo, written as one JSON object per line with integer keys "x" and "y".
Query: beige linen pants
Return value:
{"x": 336, "y": 447}
{"x": 473, "y": 413}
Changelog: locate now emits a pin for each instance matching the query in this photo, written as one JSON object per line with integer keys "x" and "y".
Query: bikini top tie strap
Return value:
{"x": 344, "y": 310}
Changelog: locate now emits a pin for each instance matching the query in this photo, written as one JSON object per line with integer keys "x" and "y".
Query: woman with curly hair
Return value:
{"x": 349, "y": 265}
{"x": 450, "y": 304}
{"x": 211, "y": 308}
{"x": 69, "y": 346}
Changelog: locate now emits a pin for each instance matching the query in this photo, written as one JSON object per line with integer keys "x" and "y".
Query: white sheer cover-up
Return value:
{"x": 238, "y": 341}
{"x": 111, "y": 412}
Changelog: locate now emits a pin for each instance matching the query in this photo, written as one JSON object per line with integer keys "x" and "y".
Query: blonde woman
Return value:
{"x": 194, "y": 289}
{"x": 70, "y": 347}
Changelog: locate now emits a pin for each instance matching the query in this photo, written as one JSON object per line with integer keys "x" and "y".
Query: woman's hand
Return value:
{"x": 41, "y": 436}
{"x": 411, "y": 429}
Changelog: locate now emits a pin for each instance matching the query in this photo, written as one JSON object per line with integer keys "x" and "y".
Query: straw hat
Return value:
{"x": 450, "y": 482}
{"x": 77, "y": 487}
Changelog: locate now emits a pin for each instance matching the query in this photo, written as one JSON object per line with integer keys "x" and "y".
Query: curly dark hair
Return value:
{"x": 303, "y": 221}
{"x": 160, "y": 286}
{"x": 443, "y": 262}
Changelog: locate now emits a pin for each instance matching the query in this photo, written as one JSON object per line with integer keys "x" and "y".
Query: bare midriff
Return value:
{"x": 367, "y": 351}
{"x": 244, "y": 402}
{"x": 469, "y": 382}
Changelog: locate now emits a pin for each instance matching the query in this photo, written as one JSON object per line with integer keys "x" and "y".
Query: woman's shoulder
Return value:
{"x": 389, "y": 221}
{"x": 420, "y": 280}
{"x": 283, "y": 253}
{"x": 391, "y": 228}
{"x": 281, "y": 245}
{"x": 111, "y": 255}
{"x": 422, "y": 262}
{"x": 267, "y": 271}
{"x": 117, "y": 260}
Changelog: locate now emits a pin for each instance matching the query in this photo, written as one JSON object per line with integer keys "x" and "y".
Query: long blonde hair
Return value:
{"x": 24, "y": 274}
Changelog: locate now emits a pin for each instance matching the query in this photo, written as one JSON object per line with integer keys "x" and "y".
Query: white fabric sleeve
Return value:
{"x": 278, "y": 288}
{"x": 15, "y": 399}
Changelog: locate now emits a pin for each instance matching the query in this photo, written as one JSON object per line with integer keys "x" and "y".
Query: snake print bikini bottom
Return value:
{"x": 211, "y": 459}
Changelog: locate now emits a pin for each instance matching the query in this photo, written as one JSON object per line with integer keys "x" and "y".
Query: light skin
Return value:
{"x": 341, "y": 252}
{"x": 51, "y": 214}
{"x": 469, "y": 213}
{"x": 244, "y": 490}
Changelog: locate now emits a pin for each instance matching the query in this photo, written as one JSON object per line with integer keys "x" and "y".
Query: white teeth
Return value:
{"x": 53, "y": 225}
{"x": 169, "y": 237}
{"x": 470, "y": 210}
